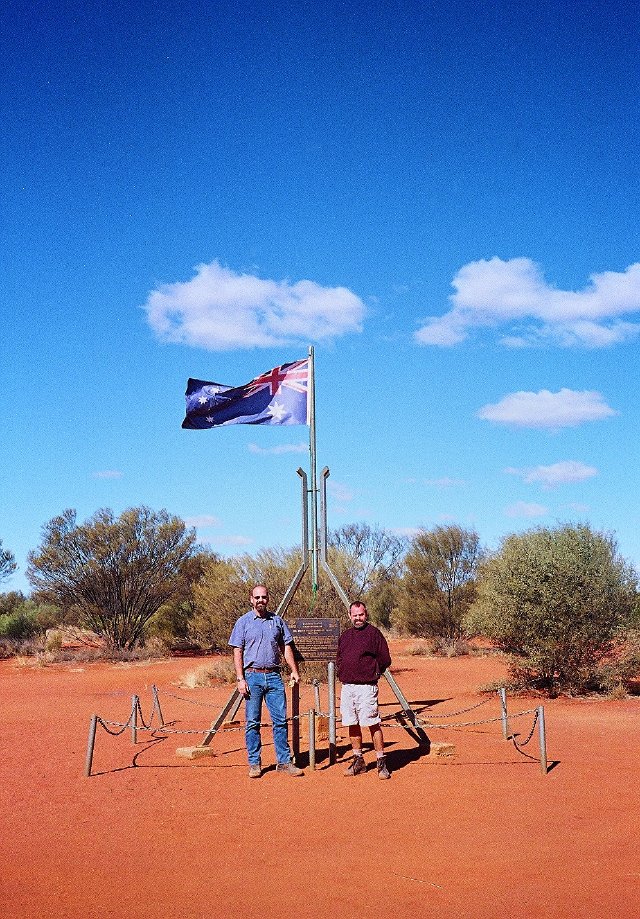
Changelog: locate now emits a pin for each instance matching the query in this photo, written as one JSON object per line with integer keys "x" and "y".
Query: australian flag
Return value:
{"x": 277, "y": 397}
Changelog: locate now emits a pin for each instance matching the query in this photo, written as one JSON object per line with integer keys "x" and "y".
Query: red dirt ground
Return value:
{"x": 481, "y": 834}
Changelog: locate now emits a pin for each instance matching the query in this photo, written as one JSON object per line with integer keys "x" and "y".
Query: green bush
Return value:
{"x": 19, "y": 625}
{"x": 558, "y": 600}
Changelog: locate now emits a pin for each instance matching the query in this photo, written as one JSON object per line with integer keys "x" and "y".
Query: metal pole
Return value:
{"x": 156, "y": 704}
{"x": 295, "y": 722}
{"x": 331, "y": 679}
{"x": 134, "y": 719}
{"x": 316, "y": 694}
{"x": 323, "y": 541}
{"x": 407, "y": 711}
{"x": 312, "y": 739}
{"x": 311, "y": 412}
{"x": 502, "y": 692}
{"x": 228, "y": 713}
{"x": 90, "y": 745}
{"x": 293, "y": 586}
{"x": 543, "y": 740}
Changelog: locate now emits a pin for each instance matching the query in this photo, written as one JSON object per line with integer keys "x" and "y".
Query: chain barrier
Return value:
{"x": 524, "y": 743}
{"x": 172, "y": 695}
{"x": 461, "y": 711}
{"x": 459, "y": 724}
{"x": 401, "y": 716}
{"x": 105, "y": 724}
{"x": 162, "y": 729}
{"x": 143, "y": 722}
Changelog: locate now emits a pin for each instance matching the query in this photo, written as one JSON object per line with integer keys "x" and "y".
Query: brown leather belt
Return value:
{"x": 263, "y": 669}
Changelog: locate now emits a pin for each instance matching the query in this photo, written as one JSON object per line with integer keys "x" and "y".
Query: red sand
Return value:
{"x": 481, "y": 834}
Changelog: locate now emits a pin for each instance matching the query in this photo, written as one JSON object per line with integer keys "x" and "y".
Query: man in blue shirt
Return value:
{"x": 260, "y": 640}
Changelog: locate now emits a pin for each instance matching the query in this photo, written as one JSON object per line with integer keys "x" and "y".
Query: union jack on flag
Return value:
{"x": 278, "y": 396}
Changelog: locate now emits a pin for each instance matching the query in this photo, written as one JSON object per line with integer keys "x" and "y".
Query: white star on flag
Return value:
{"x": 277, "y": 410}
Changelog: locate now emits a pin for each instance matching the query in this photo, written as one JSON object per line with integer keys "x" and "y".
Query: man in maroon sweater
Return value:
{"x": 363, "y": 656}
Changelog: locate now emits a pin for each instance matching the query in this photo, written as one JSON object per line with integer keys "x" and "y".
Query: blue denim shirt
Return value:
{"x": 260, "y": 638}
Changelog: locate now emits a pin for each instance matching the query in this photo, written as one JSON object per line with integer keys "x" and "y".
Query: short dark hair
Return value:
{"x": 360, "y": 604}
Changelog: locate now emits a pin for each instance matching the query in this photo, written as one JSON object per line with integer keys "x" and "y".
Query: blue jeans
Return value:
{"x": 267, "y": 686}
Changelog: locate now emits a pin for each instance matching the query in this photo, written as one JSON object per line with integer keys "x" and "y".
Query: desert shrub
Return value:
{"x": 558, "y": 600}
{"x": 19, "y": 625}
{"x": 439, "y": 583}
{"x": 421, "y": 649}
{"x": 115, "y": 573}
{"x": 451, "y": 647}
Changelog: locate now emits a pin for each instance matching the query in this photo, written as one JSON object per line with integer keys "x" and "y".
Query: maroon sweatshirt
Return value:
{"x": 363, "y": 655}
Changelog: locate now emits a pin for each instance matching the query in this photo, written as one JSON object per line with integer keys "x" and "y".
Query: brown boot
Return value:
{"x": 289, "y": 769}
{"x": 357, "y": 766}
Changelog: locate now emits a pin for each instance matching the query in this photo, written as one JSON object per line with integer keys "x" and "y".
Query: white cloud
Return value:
{"x": 562, "y": 473}
{"x": 579, "y": 508}
{"x": 108, "y": 474}
{"x": 340, "y": 492}
{"x": 202, "y": 520}
{"x": 229, "y": 540}
{"x": 220, "y": 309}
{"x": 278, "y": 450}
{"x": 514, "y": 295}
{"x": 522, "y": 509}
{"x": 564, "y": 409}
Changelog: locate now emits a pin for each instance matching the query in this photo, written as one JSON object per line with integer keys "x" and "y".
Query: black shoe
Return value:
{"x": 357, "y": 766}
{"x": 383, "y": 771}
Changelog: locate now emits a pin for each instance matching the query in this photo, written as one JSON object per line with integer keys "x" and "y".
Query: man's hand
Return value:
{"x": 242, "y": 686}
{"x": 294, "y": 678}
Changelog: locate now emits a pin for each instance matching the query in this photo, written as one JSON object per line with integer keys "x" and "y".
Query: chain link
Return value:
{"x": 123, "y": 727}
{"x": 459, "y": 724}
{"x": 190, "y": 701}
{"x": 461, "y": 711}
{"x": 525, "y": 742}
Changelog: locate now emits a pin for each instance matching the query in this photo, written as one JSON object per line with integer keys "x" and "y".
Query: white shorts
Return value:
{"x": 359, "y": 705}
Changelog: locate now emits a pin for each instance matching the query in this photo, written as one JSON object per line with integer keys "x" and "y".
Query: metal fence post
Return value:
{"x": 503, "y": 710}
{"x": 331, "y": 678}
{"x": 312, "y": 739}
{"x": 156, "y": 704}
{"x": 543, "y": 740}
{"x": 134, "y": 719}
{"x": 90, "y": 745}
{"x": 295, "y": 721}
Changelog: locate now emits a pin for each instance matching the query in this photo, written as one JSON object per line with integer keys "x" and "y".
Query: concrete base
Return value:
{"x": 442, "y": 749}
{"x": 194, "y": 752}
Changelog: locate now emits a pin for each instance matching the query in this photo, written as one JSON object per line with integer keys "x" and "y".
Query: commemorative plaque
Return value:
{"x": 316, "y": 639}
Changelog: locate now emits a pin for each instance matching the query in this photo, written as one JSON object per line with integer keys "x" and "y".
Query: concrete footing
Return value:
{"x": 442, "y": 749}
{"x": 194, "y": 752}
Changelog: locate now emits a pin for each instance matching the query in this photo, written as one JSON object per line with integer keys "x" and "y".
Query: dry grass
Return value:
{"x": 420, "y": 649}
{"x": 220, "y": 670}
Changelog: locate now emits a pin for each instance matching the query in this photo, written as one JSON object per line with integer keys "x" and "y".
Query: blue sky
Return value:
{"x": 441, "y": 198}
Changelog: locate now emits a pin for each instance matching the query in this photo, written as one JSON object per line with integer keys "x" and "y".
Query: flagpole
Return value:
{"x": 314, "y": 485}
